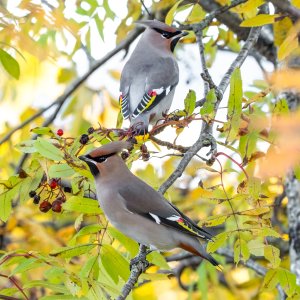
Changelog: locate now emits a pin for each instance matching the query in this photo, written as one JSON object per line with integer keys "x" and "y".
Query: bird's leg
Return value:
{"x": 140, "y": 261}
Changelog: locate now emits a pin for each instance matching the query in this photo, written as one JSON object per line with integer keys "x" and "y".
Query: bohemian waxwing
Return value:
{"x": 139, "y": 211}
{"x": 150, "y": 76}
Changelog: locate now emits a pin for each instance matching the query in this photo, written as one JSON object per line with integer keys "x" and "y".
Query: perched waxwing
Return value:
{"x": 139, "y": 211}
{"x": 150, "y": 76}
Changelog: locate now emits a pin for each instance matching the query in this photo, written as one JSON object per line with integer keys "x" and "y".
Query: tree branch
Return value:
{"x": 137, "y": 268}
{"x": 76, "y": 83}
{"x": 285, "y": 6}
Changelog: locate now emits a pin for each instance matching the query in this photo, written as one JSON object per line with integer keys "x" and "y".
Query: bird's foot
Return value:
{"x": 139, "y": 262}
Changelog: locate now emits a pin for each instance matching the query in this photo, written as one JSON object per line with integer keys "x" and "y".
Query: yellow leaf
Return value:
{"x": 285, "y": 79}
{"x": 223, "y": 2}
{"x": 296, "y": 3}
{"x": 115, "y": 74}
{"x": 197, "y": 14}
{"x": 255, "y": 212}
{"x": 171, "y": 13}
{"x": 259, "y": 20}
{"x": 290, "y": 43}
{"x": 281, "y": 29}
{"x": 248, "y": 9}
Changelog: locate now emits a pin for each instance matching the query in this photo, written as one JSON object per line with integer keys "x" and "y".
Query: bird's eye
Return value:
{"x": 165, "y": 35}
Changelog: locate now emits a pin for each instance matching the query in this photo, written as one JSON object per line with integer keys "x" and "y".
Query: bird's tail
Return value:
{"x": 200, "y": 251}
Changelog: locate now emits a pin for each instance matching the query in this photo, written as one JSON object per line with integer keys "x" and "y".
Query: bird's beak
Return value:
{"x": 87, "y": 159}
{"x": 183, "y": 33}
{"x": 91, "y": 164}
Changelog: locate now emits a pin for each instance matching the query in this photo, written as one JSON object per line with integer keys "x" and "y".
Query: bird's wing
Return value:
{"x": 140, "y": 198}
{"x": 151, "y": 99}
{"x": 159, "y": 80}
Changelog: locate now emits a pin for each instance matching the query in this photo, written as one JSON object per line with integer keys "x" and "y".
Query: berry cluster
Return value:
{"x": 53, "y": 193}
{"x": 145, "y": 152}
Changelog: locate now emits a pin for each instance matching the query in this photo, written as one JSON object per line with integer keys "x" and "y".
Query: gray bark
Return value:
{"x": 292, "y": 188}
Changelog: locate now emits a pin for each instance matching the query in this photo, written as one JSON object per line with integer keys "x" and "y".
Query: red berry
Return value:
{"x": 60, "y": 132}
{"x": 45, "y": 206}
{"x": 57, "y": 205}
{"x": 53, "y": 184}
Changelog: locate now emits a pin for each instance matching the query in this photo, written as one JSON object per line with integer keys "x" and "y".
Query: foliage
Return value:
{"x": 56, "y": 243}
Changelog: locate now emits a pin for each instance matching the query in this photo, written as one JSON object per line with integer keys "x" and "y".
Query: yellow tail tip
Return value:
{"x": 220, "y": 268}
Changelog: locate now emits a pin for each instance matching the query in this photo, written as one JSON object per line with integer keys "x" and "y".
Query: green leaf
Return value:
{"x": 196, "y": 15}
{"x": 171, "y": 13}
{"x": 287, "y": 281}
{"x": 109, "y": 13}
{"x": 114, "y": 263}
{"x": 271, "y": 253}
{"x": 259, "y": 20}
{"x": 281, "y": 107}
{"x": 297, "y": 172}
{"x": 214, "y": 220}
{"x": 61, "y": 170}
{"x": 208, "y": 108}
{"x": 190, "y": 102}
{"x": 26, "y": 265}
{"x": 235, "y": 104}
{"x": 254, "y": 187}
{"x": 202, "y": 282}
{"x": 127, "y": 242}
{"x": 158, "y": 259}
{"x": 271, "y": 280}
{"x": 6, "y": 202}
{"x": 46, "y": 284}
{"x": 241, "y": 251}
{"x": 87, "y": 268}
{"x": 43, "y": 130}
{"x": 219, "y": 241}
{"x": 256, "y": 247}
{"x": 68, "y": 252}
{"x": 47, "y": 149}
{"x": 90, "y": 229}
{"x": 65, "y": 75}
{"x": 26, "y": 146}
{"x": 270, "y": 232}
{"x": 82, "y": 205}
{"x": 32, "y": 182}
{"x": 99, "y": 24}
{"x": 10, "y": 64}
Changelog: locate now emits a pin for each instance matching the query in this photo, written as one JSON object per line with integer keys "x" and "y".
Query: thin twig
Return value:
{"x": 169, "y": 145}
{"x": 146, "y": 9}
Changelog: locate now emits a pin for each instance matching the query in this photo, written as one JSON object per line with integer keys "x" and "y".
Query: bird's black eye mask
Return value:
{"x": 100, "y": 159}
{"x": 167, "y": 34}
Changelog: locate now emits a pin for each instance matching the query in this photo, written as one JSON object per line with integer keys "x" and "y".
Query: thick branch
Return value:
{"x": 76, "y": 83}
{"x": 285, "y": 6}
{"x": 136, "y": 270}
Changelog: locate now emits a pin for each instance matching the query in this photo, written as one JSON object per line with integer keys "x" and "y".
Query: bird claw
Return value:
{"x": 139, "y": 262}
